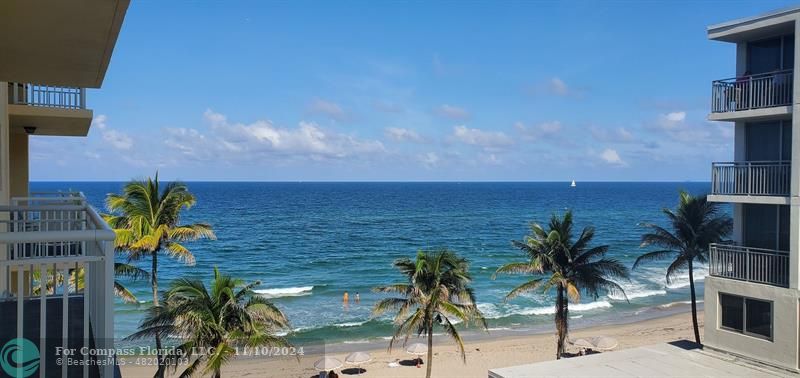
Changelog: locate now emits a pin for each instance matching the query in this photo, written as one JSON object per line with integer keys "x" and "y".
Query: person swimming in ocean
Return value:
{"x": 346, "y": 298}
{"x": 358, "y": 298}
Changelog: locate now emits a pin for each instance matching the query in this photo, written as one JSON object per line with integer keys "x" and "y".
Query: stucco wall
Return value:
{"x": 782, "y": 349}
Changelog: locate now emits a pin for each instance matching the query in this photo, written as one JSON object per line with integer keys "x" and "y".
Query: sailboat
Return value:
{"x": 573, "y": 184}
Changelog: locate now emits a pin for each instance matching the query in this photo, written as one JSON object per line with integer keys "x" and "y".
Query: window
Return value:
{"x": 746, "y": 315}
{"x": 732, "y": 312}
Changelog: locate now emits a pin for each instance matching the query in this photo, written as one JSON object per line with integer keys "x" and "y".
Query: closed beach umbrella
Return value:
{"x": 327, "y": 363}
{"x": 358, "y": 358}
{"x": 417, "y": 349}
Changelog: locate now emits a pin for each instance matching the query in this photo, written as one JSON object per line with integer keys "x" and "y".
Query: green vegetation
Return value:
{"x": 214, "y": 321}
{"x": 146, "y": 221}
{"x": 436, "y": 293}
{"x": 695, "y": 224}
{"x": 556, "y": 261}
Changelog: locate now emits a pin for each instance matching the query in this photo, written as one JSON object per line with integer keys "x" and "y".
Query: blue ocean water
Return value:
{"x": 307, "y": 243}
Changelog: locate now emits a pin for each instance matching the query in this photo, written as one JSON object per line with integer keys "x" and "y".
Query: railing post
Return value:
{"x": 83, "y": 98}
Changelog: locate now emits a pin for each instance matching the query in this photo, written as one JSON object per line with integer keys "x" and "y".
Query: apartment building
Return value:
{"x": 56, "y": 252}
{"x": 752, "y": 294}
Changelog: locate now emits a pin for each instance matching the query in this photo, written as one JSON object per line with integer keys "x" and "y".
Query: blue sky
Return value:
{"x": 456, "y": 91}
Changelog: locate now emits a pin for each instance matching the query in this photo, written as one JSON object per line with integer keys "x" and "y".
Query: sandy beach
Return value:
{"x": 482, "y": 354}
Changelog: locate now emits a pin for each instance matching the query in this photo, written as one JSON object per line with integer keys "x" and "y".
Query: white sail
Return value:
{"x": 573, "y": 184}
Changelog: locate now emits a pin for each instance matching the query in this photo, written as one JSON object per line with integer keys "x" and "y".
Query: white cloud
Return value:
{"x": 263, "y": 137}
{"x": 611, "y": 156}
{"x": 618, "y": 135}
{"x": 429, "y": 159}
{"x": 477, "y": 137}
{"x": 675, "y": 116}
{"x": 452, "y": 112}
{"x": 328, "y": 108}
{"x": 558, "y": 87}
{"x": 116, "y": 139}
{"x": 539, "y": 131}
{"x": 401, "y": 134}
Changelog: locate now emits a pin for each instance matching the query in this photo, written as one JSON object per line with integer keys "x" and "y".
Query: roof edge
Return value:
{"x": 748, "y": 20}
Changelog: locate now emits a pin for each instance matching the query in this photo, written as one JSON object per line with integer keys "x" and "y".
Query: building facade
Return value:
{"x": 752, "y": 293}
{"x": 56, "y": 252}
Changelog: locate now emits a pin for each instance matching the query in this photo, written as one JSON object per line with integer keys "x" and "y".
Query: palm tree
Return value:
{"x": 212, "y": 323}
{"x": 55, "y": 278}
{"x": 572, "y": 267}
{"x": 436, "y": 293}
{"x": 695, "y": 224}
{"x": 146, "y": 221}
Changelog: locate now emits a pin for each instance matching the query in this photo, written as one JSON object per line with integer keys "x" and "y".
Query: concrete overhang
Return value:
{"x": 752, "y": 115}
{"x": 61, "y": 43}
{"x": 766, "y": 25}
{"x": 759, "y": 200}
{"x": 49, "y": 121}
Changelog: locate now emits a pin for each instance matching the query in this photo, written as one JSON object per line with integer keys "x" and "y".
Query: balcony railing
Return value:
{"x": 46, "y": 96}
{"x": 751, "y": 178}
{"x": 752, "y": 92}
{"x": 58, "y": 279}
{"x": 749, "y": 264}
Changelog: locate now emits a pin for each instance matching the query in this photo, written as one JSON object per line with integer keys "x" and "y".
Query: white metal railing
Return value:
{"x": 59, "y": 257}
{"x": 749, "y": 264}
{"x": 751, "y": 178}
{"x": 752, "y": 92}
{"x": 46, "y": 96}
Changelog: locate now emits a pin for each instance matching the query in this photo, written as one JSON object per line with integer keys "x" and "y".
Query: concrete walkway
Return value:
{"x": 660, "y": 360}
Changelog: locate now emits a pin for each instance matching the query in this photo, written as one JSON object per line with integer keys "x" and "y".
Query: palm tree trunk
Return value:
{"x": 561, "y": 321}
{"x": 154, "y": 283}
{"x": 694, "y": 305}
{"x": 430, "y": 349}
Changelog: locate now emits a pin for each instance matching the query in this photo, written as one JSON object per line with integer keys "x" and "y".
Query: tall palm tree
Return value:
{"x": 146, "y": 221}
{"x": 213, "y": 322}
{"x": 695, "y": 224}
{"x": 570, "y": 267}
{"x": 77, "y": 280}
{"x": 436, "y": 293}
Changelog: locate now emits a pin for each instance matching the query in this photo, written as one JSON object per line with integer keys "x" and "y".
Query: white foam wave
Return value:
{"x": 671, "y": 304}
{"x": 576, "y": 316}
{"x": 579, "y": 307}
{"x": 493, "y": 311}
{"x": 632, "y": 294}
{"x": 285, "y": 292}
{"x": 349, "y": 324}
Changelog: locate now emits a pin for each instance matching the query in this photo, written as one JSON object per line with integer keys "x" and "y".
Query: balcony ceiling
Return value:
{"x": 64, "y": 43}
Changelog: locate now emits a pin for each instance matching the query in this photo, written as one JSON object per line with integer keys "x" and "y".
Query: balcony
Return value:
{"x": 764, "y": 266}
{"x": 761, "y": 96}
{"x": 48, "y": 110}
{"x": 740, "y": 181}
{"x": 57, "y": 278}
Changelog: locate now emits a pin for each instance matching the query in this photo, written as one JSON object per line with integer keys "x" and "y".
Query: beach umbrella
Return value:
{"x": 599, "y": 343}
{"x": 417, "y": 349}
{"x": 327, "y": 363}
{"x": 358, "y": 358}
{"x": 604, "y": 342}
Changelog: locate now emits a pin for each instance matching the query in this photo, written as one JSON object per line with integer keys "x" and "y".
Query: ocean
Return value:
{"x": 309, "y": 242}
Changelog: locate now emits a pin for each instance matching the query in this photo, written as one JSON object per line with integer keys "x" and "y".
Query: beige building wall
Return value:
{"x": 782, "y": 350}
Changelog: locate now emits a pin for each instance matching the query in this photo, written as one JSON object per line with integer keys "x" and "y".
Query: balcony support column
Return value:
{"x": 794, "y": 228}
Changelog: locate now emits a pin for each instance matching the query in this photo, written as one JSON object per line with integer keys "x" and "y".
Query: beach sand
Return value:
{"x": 482, "y": 354}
